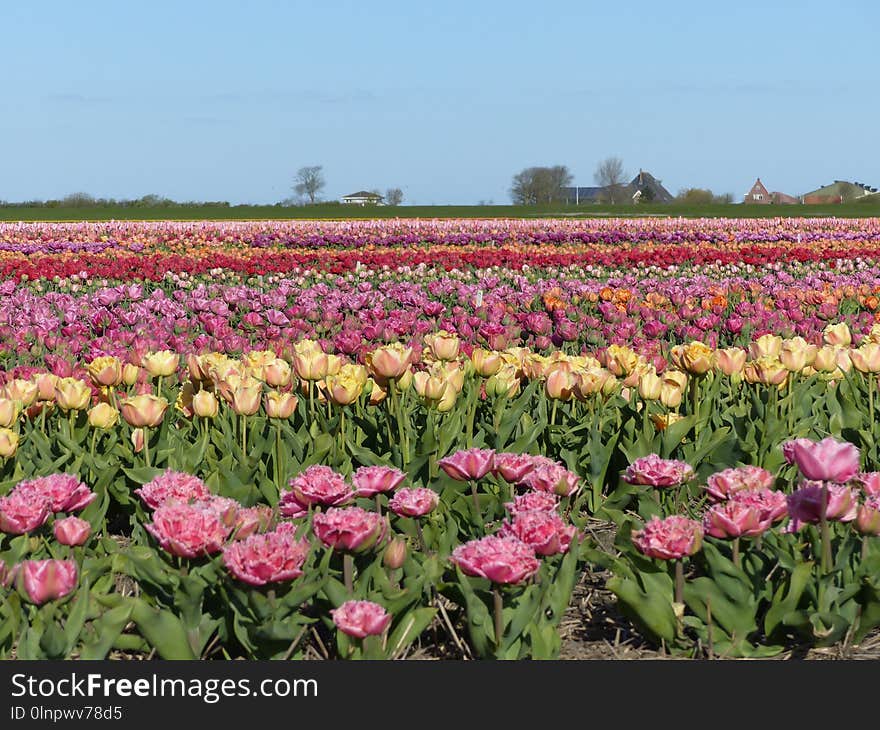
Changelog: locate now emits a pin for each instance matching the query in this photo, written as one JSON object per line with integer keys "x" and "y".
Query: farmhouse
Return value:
{"x": 759, "y": 195}
{"x": 363, "y": 197}
{"x": 644, "y": 187}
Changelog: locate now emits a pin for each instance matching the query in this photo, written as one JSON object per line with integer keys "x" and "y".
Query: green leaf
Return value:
{"x": 163, "y": 630}
{"x": 409, "y": 628}
{"x": 649, "y": 608}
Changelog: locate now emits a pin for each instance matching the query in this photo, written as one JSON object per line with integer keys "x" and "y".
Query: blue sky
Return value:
{"x": 225, "y": 100}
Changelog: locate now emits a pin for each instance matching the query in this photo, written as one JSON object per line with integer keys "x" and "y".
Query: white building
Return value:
{"x": 363, "y": 197}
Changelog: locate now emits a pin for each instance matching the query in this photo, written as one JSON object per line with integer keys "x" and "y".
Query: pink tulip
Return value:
{"x": 805, "y": 504}
{"x": 788, "y": 448}
{"x": 72, "y": 531}
{"x": 531, "y": 501}
{"x": 270, "y": 557}
{"x": 868, "y": 517}
{"x": 828, "y": 460}
{"x": 544, "y": 531}
{"x": 251, "y": 520}
{"x": 289, "y": 506}
{"x": 189, "y": 530}
{"x": 514, "y": 468}
{"x": 669, "y": 539}
{"x": 504, "y": 560}
{"x": 553, "y": 478}
{"x": 724, "y": 484}
{"x": 869, "y": 482}
{"x": 469, "y": 464}
{"x": 47, "y": 580}
{"x": 657, "y": 472}
{"x": 173, "y": 486}
{"x": 732, "y": 519}
{"x": 772, "y": 506}
{"x": 21, "y": 513}
{"x": 62, "y": 492}
{"x": 371, "y": 480}
{"x": 320, "y": 485}
{"x": 351, "y": 529}
{"x": 361, "y": 619}
{"x": 413, "y": 502}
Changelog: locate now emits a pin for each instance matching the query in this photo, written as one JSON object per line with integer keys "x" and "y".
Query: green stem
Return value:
{"x": 160, "y": 386}
{"x": 278, "y": 457}
{"x": 476, "y": 501}
{"x": 147, "y": 446}
{"x": 243, "y": 436}
{"x": 499, "y": 616}
{"x": 348, "y": 573}
{"x": 92, "y": 453}
{"x": 871, "y": 401}
{"x": 679, "y": 581}
{"x": 824, "y": 532}
{"x": 401, "y": 431}
{"x": 422, "y": 547}
{"x": 736, "y": 558}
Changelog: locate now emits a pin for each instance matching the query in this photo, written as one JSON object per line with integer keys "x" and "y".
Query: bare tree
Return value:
{"x": 309, "y": 181}
{"x": 539, "y": 184}
{"x": 610, "y": 175}
{"x": 393, "y": 196}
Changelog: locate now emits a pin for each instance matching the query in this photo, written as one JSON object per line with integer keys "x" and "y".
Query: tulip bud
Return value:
{"x": 103, "y": 415}
{"x": 443, "y": 345}
{"x": 9, "y": 410}
{"x": 130, "y": 373}
{"x": 395, "y": 554}
{"x": 766, "y": 346}
{"x": 390, "y": 361}
{"x": 730, "y": 360}
{"x": 277, "y": 373}
{"x": 72, "y": 394}
{"x": 45, "y": 383}
{"x": 8, "y": 443}
{"x": 144, "y": 410}
{"x": 205, "y": 404}
{"x": 137, "y": 440}
{"x": 405, "y": 380}
{"x": 559, "y": 384}
{"x": 71, "y": 531}
{"x": 650, "y": 385}
{"x": 279, "y": 405}
{"x": 486, "y": 362}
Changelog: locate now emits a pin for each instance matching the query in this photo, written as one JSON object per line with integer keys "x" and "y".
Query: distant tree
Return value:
{"x": 724, "y": 198}
{"x": 309, "y": 182}
{"x": 393, "y": 196}
{"x": 695, "y": 196}
{"x": 539, "y": 184}
{"x": 78, "y": 200}
{"x": 610, "y": 175}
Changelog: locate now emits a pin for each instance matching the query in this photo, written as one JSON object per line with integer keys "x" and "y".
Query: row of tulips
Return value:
{"x": 365, "y": 564}
{"x": 254, "y": 420}
{"x": 57, "y": 323}
{"x": 735, "y": 567}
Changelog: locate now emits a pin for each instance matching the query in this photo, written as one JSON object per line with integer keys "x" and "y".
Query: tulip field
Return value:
{"x": 383, "y": 439}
